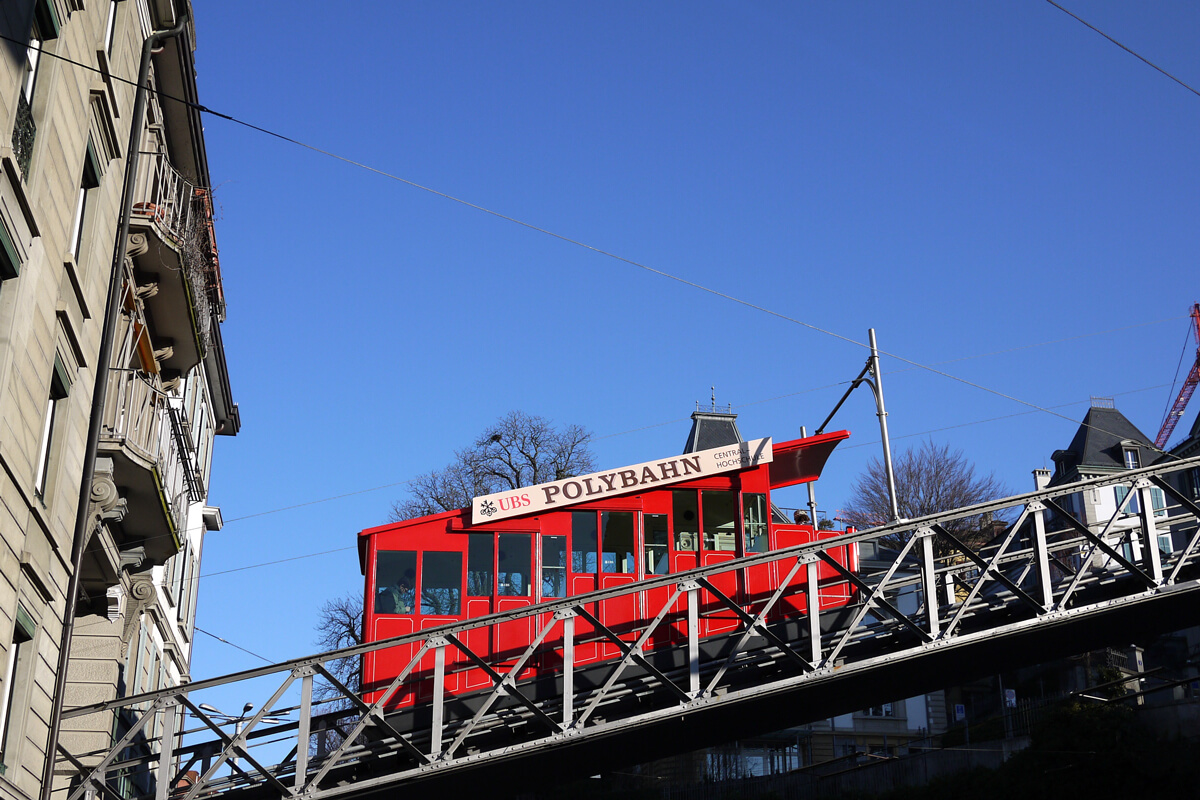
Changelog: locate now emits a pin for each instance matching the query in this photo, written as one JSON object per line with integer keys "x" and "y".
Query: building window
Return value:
{"x": 43, "y": 28}
{"x": 59, "y": 386}
{"x": 1121, "y": 492}
{"x": 884, "y": 710}
{"x": 16, "y": 679}
{"x": 89, "y": 180}
{"x": 10, "y": 264}
{"x": 1132, "y": 461}
{"x": 1158, "y": 501}
{"x": 110, "y": 27}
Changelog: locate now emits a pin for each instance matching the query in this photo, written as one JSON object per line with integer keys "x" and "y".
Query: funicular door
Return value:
{"x": 583, "y": 577}
{"x": 705, "y": 532}
{"x": 604, "y": 547}
{"x": 757, "y": 582}
{"x": 795, "y": 601}
{"x": 393, "y": 604}
{"x": 618, "y": 567}
{"x": 514, "y": 590}
{"x": 656, "y": 560}
{"x": 480, "y": 601}
{"x": 440, "y": 601}
{"x": 719, "y": 513}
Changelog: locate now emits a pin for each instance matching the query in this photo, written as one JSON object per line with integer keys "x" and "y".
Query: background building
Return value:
{"x": 61, "y": 176}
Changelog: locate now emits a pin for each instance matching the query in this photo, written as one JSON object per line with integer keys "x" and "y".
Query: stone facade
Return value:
{"x": 67, "y": 100}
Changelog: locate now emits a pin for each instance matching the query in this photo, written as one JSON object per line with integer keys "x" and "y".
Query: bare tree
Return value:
{"x": 930, "y": 479}
{"x": 339, "y": 625}
{"x": 517, "y": 450}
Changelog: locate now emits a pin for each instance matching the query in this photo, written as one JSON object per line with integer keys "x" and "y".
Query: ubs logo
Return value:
{"x": 487, "y": 508}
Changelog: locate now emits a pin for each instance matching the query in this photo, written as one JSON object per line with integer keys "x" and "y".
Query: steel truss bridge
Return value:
{"x": 935, "y": 602}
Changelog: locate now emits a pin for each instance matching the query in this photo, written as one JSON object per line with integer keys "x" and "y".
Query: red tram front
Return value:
{"x": 582, "y": 534}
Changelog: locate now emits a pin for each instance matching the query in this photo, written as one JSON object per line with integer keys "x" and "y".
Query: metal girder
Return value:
{"x": 1043, "y": 567}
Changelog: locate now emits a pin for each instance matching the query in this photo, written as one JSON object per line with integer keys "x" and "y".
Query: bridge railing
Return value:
{"x": 703, "y": 639}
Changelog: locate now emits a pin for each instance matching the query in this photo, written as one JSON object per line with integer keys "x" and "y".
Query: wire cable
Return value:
{"x": 591, "y": 248}
{"x": 1123, "y": 47}
{"x": 913, "y": 364}
{"x": 231, "y": 644}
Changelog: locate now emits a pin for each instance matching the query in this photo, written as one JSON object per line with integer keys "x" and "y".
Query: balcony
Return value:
{"x": 172, "y": 244}
{"x": 145, "y": 433}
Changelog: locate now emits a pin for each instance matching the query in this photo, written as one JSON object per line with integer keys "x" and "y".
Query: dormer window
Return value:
{"x": 1132, "y": 461}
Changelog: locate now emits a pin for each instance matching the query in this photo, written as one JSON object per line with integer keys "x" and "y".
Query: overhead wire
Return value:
{"x": 1139, "y": 57}
{"x": 274, "y": 562}
{"x": 609, "y": 254}
{"x": 231, "y": 644}
{"x": 403, "y": 482}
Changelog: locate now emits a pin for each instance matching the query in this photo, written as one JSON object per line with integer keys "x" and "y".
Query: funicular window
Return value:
{"x": 441, "y": 583}
{"x": 655, "y": 526}
{"x": 481, "y": 553}
{"x": 554, "y": 566}
{"x": 687, "y": 520}
{"x": 754, "y": 522}
{"x": 514, "y": 566}
{"x": 720, "y": 520}
{"x": 616, "y": 538}
{"x": 395, "y": 579}
{"x": 584, "y": 542}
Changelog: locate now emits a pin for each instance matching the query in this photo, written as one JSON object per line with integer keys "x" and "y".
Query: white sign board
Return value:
{"x": 624, "y": 480}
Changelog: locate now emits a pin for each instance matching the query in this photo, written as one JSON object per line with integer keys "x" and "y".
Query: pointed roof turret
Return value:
{"x": 712, "y": 426}
{"x": 1106, "y": 441}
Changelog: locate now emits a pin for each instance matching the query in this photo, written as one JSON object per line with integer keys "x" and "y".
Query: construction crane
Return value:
{"x": 1185, "y": 392}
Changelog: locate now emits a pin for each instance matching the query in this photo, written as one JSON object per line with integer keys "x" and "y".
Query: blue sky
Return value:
{"x": 970, "y": 179}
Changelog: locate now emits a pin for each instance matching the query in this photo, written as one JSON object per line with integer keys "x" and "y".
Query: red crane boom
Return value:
{"x": 1185, "y": 392}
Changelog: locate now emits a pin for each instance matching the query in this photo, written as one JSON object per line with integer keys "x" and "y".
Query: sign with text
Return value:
{"x": 624, "y": 480}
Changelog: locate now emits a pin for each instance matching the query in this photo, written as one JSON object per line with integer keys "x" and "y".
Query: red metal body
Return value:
{"x": 1186, "y": 391}
{"x": 448, "y": 567}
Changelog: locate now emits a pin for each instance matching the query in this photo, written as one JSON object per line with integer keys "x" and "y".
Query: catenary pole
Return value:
{"x": 881, "y": 412}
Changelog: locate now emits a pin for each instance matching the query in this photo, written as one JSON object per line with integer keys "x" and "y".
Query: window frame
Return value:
{"x": 89, "y": 181}
{"x": 22, "y": 645}
{"x": 60, "y": 388}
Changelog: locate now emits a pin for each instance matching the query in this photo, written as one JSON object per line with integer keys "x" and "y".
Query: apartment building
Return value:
{"x": 67, "y": 97}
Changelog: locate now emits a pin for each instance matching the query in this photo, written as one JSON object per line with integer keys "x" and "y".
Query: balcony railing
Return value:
{"x": 138, "y": 417}
{"x": 181, "y": 211}
{"x": 24, "y": 133}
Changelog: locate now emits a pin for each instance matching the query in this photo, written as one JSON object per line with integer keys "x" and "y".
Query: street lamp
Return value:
{"x": 238, "y": 722}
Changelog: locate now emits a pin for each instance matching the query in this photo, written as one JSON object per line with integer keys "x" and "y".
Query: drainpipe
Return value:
{"x": 99, "y": 393}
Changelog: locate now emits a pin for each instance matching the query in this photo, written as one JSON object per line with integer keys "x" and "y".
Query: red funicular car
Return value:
{"x": 581, "y": 534}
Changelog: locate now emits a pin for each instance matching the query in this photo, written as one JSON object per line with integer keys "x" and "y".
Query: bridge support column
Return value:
{"x": 439, "y": 695}
{"x": 1041, "y": 557}
{"x": 166, "y": 752}
{"x": 812, "y": 600}
{"x": 1151, "y": 557}
{"x": 693, "y": 633}
{"x": 568, "y": 667}
{"x": 929, "y": 584}
{"x": 303, "y": 731}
